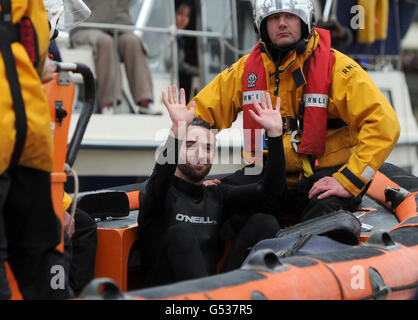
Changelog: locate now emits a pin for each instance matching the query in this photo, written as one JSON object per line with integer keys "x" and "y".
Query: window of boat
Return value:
{"x": 247, "y": 38}
{"x": 233, "y": 20}
{"x": 153, "y": 13}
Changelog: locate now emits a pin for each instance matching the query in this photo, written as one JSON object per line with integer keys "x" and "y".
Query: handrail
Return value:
{"x": 86, "y": 111}
{"x": 172, "y": 31}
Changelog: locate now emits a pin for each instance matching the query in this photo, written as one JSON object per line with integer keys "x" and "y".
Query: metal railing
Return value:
{"x": 172, "y": 31}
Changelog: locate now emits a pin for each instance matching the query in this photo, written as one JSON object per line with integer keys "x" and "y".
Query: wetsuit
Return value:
{"x": 179, "y": 222}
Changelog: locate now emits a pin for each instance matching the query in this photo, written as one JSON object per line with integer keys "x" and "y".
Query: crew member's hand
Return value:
{"x": 179, "y": 113}
{"x": 49, "y": 71}
{"x": 328, "y": 186}
{"x": 270, "y": 119}
{"x": 211, "y": 182}
{"x": 67, "y": 220}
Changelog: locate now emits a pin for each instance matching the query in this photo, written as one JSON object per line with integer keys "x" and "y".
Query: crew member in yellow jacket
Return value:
{"x": 339, "y": 126}
{"x": 29, "y": 227}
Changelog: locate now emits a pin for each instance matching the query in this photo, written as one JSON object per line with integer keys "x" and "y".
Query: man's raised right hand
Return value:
{"x": 179, "y": 113}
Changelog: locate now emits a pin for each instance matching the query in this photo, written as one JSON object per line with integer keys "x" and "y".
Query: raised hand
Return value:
{"x": 270, "y": 119}
{"x": 179, "y": 113}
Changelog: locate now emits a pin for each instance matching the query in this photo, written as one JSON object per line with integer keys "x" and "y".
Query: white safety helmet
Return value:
{"x": 304, "y": 9}
{"x": 65, "y": 14}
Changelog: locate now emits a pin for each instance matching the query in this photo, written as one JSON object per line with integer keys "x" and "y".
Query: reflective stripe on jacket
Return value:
{"x": 361, "y": 147}
{"x": 38, "y": 152}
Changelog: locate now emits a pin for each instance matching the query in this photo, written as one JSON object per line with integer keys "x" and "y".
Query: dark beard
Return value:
{"x": 192, "y": 174}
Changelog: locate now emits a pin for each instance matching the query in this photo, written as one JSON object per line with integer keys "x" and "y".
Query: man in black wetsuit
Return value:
{"x": 180, "y": 218}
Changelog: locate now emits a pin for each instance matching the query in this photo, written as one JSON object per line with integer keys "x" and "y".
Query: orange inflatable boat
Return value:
{"x": 379, "y": 259}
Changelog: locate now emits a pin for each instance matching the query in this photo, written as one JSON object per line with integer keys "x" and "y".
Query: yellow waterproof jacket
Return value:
{"x": 38, "y": 152}
{"x": 361, "y": 147}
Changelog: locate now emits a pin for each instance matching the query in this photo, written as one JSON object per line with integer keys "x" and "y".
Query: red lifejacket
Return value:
{"x": 254, "y": 82}
{"x": 315, "y": 97}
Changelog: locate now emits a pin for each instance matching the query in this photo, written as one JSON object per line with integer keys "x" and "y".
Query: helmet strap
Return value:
{"x": 301, "y": 46}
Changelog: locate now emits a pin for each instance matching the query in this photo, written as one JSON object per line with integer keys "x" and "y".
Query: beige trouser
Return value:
{"x": 131, "y": 53}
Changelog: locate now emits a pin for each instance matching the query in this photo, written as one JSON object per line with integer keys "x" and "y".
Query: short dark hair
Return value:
{"x": 199, "y": 122}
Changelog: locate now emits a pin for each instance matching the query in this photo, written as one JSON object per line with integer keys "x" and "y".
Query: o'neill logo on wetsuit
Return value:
{"x": 194, "y": 219}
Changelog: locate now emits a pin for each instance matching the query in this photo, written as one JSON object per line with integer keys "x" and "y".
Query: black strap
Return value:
{"x": 6, "y": 13}
{"x": 291, "y": 124}
{"x": 7, "y": 37}
{"x": 298, "y": 78}
{"x": 335, "y": 124}
{"x": 296, "y": 246}
{"x": 301, "y": 110}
